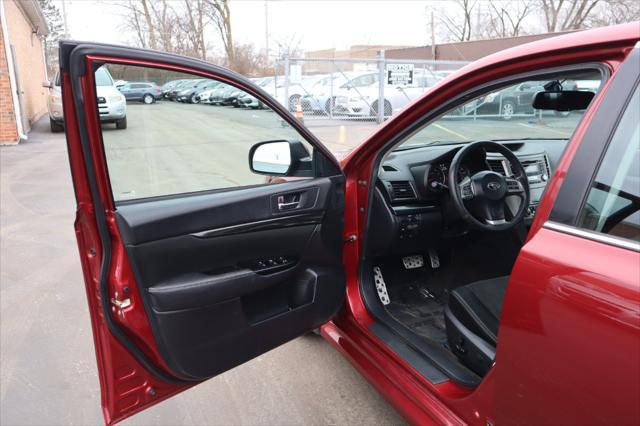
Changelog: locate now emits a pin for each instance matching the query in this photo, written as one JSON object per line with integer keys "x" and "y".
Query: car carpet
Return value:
{"x": 417, "y": 300}
{"x": 419, "y": 296}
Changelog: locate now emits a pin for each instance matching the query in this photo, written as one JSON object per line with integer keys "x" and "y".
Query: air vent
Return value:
{"x": 496, "y": 165}
{"x": 387, "y": 168}
{"x": 402, "y": 190}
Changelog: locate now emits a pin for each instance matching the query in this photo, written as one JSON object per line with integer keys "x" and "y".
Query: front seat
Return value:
{"x": 472, "y": 317}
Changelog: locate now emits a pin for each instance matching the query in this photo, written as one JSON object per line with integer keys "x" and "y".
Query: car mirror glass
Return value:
{"x": 272, "y": 158}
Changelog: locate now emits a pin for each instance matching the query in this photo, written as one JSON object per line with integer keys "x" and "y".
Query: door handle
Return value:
{"x": 288, "y": 202}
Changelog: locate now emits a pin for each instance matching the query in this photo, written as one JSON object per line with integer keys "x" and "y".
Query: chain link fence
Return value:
{"x": 352, "y": 89}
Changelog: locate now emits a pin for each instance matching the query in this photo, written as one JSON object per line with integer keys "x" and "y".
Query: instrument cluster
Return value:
{"x": 438, "y": 176}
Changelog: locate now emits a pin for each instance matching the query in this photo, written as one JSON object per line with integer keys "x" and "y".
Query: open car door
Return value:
{"x": 194, "y": 261}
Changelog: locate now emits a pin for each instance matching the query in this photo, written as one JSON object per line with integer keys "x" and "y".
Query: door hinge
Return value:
{"x": 351, "y": 238}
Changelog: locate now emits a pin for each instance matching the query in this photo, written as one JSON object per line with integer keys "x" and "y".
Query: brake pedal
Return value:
{"x": 413, "y": 262}
{"x": 434, "y": 259}
{"x": 381, "y": 287}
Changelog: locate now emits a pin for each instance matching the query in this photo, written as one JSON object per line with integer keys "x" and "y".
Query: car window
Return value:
{"x": 102, "y": 77}
{"x": 504, "y": 114}
{"x": 613, "y": 202}
{"x": 177, "y": 148}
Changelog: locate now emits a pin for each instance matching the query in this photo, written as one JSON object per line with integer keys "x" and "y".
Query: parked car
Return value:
{"x": 112, "y": 105}
{"x": 294, "y": 93}
{"x": 225, "y": 95}
{"x": 172, "y": 93}
{"x": 478, "y": 274}
{"x": 515, "y": 100}
{"x": 169, "y": 85}
{"x": 190, "y": 93}
{"x": 143, "y": 91}
{"x": 204, "y": 96}
{"x": 359, "y": 99}
{"x": 322, "y": 95}
{"x": 246, "y": 100}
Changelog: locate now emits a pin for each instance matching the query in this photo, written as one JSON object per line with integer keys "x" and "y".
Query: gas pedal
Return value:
{"x": 381, "y": 287}
{"x": 413, "y": 262}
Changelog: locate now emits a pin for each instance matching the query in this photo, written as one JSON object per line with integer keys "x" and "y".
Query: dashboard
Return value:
{"x": 412, "y": 197}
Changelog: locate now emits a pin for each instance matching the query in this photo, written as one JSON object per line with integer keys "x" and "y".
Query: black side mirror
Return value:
{"x": 567, "y": 100}
{"x": 280, "y": 158}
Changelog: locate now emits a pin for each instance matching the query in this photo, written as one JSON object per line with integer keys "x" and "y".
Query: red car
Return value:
{"x": 474, "y": 270}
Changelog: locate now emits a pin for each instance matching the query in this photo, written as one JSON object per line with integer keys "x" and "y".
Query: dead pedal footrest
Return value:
{"x": 381, "y": 287}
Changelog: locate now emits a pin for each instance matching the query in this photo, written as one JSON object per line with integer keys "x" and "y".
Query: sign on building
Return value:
{"x": 399, "y": 74}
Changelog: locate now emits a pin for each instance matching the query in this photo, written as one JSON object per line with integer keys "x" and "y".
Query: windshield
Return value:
{"x": 507, "y": 114}
{"x": 103, "y": 78}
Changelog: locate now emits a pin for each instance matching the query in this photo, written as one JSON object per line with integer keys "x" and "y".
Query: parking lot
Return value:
{"x": 47, "y": 353}
{"x": 172, "y": 147}
{"x": 48, "y": 373}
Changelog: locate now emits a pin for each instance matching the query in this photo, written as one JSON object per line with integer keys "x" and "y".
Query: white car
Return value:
{"x": 112, "y": 105}
{"x": 322, "y": 95}
{"x": 361, "y": 100}
{"x": 295, "y": 92}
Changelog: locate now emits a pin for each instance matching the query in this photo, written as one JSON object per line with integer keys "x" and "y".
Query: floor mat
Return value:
{"x": 417, "y": 301}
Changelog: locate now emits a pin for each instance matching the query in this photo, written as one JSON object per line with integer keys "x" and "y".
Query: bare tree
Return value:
{"x": 150, "y": 28}
{"x": 289, "y": 45}
{"x": 248, "y": 61}
{"x": 613, "y": 12}
{"x": 459, "y": 27}
{"x": 505, "y": 18}
{"x": 563, "y": 15}
{"x": 219, "y": 13}
{"x": 133, "y": 21}
{"x": 195, "y": 20}
{"x": 55, "y": 24}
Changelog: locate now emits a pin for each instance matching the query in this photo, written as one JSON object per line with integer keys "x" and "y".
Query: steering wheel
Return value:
{"x": 481, "y": 198}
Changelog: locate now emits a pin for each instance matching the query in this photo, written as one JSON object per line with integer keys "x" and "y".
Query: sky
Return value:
{"x": 316, "y": 24}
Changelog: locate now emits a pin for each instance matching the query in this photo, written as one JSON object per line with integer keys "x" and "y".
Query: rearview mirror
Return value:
{"x": 567, "y": 100}
{"x": 280, "y": 158}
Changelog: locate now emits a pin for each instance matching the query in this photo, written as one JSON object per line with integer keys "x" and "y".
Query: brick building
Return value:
{"x": 23, "y": 100}
{"x": 464, "y": 50}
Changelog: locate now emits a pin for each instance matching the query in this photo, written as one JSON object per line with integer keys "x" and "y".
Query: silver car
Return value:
{"x": 112, "y": 105}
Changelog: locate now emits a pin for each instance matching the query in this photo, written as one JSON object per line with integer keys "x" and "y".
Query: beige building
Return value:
{"x": 359, "y": 51}
{"x": 23, "y": 100}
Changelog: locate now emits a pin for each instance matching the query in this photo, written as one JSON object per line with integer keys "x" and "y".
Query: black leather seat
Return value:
{"x": 472, "y": 317}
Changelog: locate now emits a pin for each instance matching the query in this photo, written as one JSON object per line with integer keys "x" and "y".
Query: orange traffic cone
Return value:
{"x": 298, "y": 112}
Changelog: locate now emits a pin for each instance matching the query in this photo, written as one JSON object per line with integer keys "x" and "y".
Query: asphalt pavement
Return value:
{"x": 47, "y": 362}
{"x": 48, "y": 370}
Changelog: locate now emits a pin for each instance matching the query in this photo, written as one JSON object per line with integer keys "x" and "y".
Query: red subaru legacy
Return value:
{"x": 475, "y": 270}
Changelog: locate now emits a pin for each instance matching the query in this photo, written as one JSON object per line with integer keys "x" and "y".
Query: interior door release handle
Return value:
{"x": 288, "y": 202}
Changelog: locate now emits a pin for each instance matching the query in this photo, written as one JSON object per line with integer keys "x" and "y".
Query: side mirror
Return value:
{"x": 567, "y": 100}
{"x": 280, "y": 158}
{"x": 47, "y": 84}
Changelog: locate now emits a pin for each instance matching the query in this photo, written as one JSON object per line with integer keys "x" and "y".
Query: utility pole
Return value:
{"x": 433, "y": 38}
{"x": 64, "y": 20}
{"x": 266, "y": 30}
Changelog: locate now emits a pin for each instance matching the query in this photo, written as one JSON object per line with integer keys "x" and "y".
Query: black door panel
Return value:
{"x": 172, "y": 216}
{"x": 226, "y": 275}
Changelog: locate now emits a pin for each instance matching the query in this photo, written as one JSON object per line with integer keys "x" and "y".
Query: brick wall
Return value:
{"x": 8, "y": 128}
{"x": 29, "y": 64}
